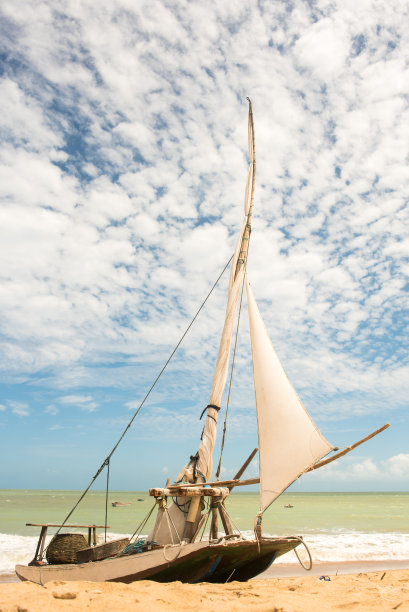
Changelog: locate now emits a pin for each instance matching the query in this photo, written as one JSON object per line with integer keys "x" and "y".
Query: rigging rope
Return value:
{"x": 106, "y": 461}
{"x": 106, "y": 504}
{"x": 142, "y": 524}
{"x": 307, "y": 569}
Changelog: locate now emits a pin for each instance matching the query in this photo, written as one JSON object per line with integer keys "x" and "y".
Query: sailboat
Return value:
{"x": 290, "y": 444}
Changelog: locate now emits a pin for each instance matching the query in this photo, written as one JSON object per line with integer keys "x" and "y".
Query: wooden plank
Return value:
{"x": 244, "y": 483}
{"x": 102, "y": 551}
{"x": 65, "y": 525}
{"x": 196, "y": 491}
{"x": 216, "y": 483}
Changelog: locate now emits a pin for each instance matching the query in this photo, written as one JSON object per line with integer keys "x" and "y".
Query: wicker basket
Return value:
{"x": 64, "y": 546}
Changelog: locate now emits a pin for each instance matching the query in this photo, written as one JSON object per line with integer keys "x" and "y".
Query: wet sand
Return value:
{"x": 289, "y": 570}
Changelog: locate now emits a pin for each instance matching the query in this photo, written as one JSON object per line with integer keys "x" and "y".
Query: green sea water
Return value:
{"x": 336, "y": 526}
{"x": 311, "y": 512}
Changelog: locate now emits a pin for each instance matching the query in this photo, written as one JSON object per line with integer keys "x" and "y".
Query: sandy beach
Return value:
{"x": 380, "y": 590}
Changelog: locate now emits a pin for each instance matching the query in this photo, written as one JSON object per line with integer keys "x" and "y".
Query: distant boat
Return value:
{"x": 115, "y": 504}
{"x": 288, "y": 506}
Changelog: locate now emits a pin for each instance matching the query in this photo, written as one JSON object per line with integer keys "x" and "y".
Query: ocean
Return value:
{"x": 336, "y": 526}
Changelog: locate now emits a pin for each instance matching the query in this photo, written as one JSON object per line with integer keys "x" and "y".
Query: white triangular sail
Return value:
{"x": 289, "y": 441}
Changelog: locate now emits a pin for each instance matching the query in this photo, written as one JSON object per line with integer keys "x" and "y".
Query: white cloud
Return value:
{"x": 122, "y": 185}
{"x": 84, "y": 402}
{"x": 398, "y": 466}
{"x": 53, "y": 410}
{"x": 75, "y": 399}
{"x": 20, "y": 409}
{"x": 323, "y": 48}
{"x": 393, "y": 469}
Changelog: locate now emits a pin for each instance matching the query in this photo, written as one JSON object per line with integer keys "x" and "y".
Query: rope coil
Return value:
{"x": 307, "y": 569}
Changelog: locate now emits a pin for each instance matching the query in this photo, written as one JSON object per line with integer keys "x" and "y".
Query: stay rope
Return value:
{"x": 106, "y": 504}
{"x": 107, "y": 460}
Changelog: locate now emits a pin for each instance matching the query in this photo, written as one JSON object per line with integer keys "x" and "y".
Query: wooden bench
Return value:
{"x": 92, "y": 531}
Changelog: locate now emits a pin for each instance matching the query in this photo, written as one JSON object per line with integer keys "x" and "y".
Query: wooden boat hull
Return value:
{"x": 198, "y": 562}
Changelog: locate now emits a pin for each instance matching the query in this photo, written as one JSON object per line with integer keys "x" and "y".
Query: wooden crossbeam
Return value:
{"x": 348, "y": 449}
{"x": 216, "y": 483}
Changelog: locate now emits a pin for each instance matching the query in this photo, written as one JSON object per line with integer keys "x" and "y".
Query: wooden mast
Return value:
{"x": 208, "y": 441}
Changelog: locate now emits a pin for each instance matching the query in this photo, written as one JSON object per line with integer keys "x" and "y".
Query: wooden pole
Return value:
{"x": 348, "y": 449}
{"x": 241, "y": 483}
{"x": 244, "y": 467}
{"x": 225, "y": 519}
{"x": 40, "y": 545}
{"x": 214, "y": 528}
{"x": 216, "y": 483}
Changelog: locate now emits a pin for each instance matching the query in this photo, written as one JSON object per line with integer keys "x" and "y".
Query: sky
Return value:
{"x": 123, "y": 165}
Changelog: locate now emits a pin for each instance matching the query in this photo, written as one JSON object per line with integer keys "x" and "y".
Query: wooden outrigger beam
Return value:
{"x": 210, "y": 489}
{"x": 184, "y": 486}
{"x": 216, "y": 483}
{"x": 348, "y": 449}
{"x": 196, "y": 490}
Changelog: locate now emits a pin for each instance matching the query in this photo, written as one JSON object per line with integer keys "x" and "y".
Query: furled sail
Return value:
{"x": 289, "y": 441}
{"x": 205, "y": 451}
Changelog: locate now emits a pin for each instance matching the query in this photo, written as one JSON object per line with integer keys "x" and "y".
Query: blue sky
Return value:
{"x": 123, "y": 165}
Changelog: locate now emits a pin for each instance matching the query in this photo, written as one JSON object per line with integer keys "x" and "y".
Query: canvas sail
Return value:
{"x": 289, "y": 441}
